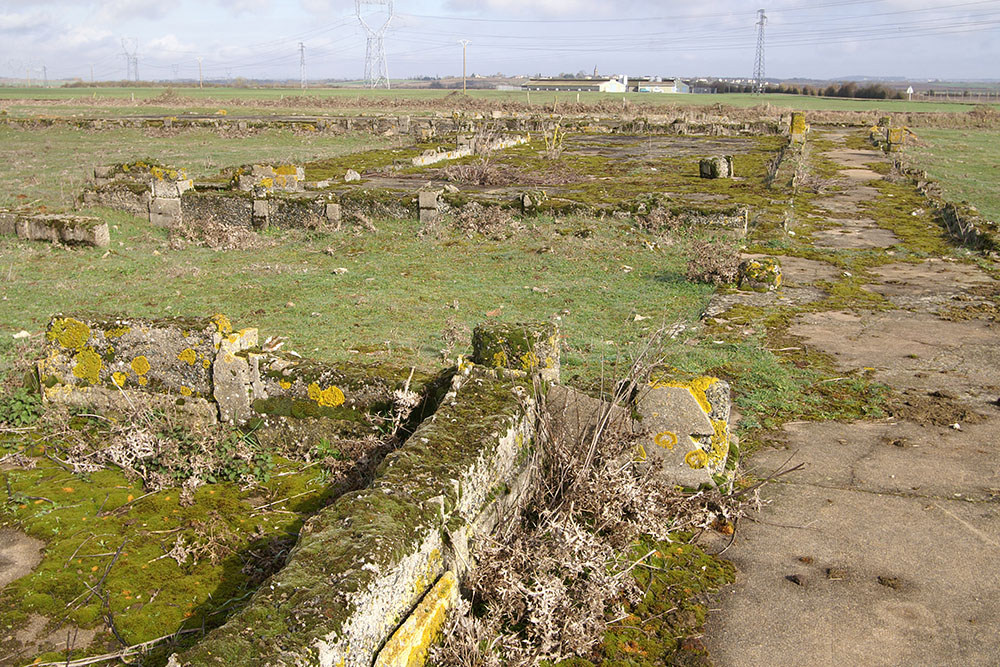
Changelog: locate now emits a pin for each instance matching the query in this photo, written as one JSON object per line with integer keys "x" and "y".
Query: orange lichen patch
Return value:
{"x": 666, "y": 439}
{"x": 67, "y": 489}
{"x": 141, "y": 366}
{"x": 329, "y": 397}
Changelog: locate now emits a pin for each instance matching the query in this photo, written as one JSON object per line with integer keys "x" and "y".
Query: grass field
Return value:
{"x": 51, "y": 166}
{"x": 62, "y": 96}
{"x": 965, "y": 163}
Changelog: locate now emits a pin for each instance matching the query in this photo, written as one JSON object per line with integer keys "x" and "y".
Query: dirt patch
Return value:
{"x": 937, "y": 408}
{"x": 19, "y": 555}
{"x": 854, "y": 158}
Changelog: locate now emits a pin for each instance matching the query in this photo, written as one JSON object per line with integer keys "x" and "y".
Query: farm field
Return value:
{"x": 64, "y": 101}
{"x": 627, "y": 244}
{"x": 965, "y": 163}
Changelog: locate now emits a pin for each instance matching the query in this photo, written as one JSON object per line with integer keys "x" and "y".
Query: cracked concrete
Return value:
{"x": 882, "y": 549}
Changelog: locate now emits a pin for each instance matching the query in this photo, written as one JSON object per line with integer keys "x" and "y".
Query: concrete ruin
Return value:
{"x": 55, "y": 228}
{"x": 720, "y": 166}
{"x": 374, "y": 575}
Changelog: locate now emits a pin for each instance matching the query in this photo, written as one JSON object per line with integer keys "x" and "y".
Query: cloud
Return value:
{"x": 169, "y": 44}
{"x": 84, "y": 36}
{"x": 118, "y": 10}
{"x": 243, "y": 6}
{"x": 24, "y": 22}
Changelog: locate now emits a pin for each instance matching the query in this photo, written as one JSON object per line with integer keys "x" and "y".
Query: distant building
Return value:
{"x": 615, "y": 84}
{"x": 598, "y": 85}
{"x": 658, "y": 85}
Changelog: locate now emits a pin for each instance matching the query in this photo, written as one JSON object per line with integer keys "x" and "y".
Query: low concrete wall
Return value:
{"x": 366, "y": 562}
{"x": 55, "y": 228}
{"x": 203, "y": 369}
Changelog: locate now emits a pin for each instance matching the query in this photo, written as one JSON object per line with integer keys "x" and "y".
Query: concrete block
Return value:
{"x": 261, "y": 208}
{"x": 526, "y": 347}
{"x": 55, "y": 228}
{"x": 351, "y": 176}
{"x": 429, "y": 216}
{"x": 168, "y": 189}
{"x": 165, "y": 212}
{"x": 684, "y": 430}
{"x": 231, "y": 386}
{"x": 428, "y": 199}
{"x": 333, "y": 213}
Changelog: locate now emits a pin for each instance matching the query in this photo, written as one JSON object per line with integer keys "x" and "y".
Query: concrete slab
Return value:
{"x": 885, "y": 580}
{"x": 854, "y": 235}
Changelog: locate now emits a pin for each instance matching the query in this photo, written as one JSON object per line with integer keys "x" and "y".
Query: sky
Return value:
{"x": 822, "y": 39}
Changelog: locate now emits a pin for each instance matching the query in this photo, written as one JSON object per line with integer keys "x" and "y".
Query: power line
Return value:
{"x": 376, "y": 69}
{"x": 758, "y": 66}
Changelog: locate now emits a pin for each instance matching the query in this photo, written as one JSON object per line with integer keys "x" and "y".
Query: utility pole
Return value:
{"x": 92, "y": 72}
{"x": 464, "y": 43}
{"x": 302, "y": 65}
{"x": 758, "y": 66}
{"x": 45, "y": 76}
{"x": 201, "y": 81}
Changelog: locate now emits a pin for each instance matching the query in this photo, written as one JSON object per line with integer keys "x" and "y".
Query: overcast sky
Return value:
{"x": 259, "y": 38}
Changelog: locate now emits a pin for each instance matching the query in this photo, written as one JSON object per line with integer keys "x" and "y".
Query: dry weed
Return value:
{"x": 546, "y": 587}
{"x": 715, "y": 263}
{"x": 216, "y": 235}
{"x": 493, "y": 222}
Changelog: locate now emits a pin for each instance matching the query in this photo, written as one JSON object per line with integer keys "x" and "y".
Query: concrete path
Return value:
{"x": 885, "y": 548}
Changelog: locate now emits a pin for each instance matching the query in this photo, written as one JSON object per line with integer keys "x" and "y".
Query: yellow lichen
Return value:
{"x": 697, "y": 387}
{"x": 185, "y": 391}
{"x": 329, "y": 397}
{"x": 284, "y": 384}
{"x": 119, "y": 378}
{"x": 206, "y": 363}
{"x": 143, "y": 381}
{"x": 500, "y": 359}
{"x": 223, "y": 324}
{"x": 666, "y": 439}
{"x": 71, "y": 334}
{"x": 117, "y": 332}
{"x": 188, "y": 356}
{"x": 696, "y": 458}
{"x": 529, "y": 361}
{"x": 286, "y": 170}
{"x": 141, "y": 366}
{"x": 88, "y": 366}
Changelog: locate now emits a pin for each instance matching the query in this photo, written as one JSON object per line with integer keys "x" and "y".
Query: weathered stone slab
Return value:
{"x": 527, "y": 347}
{"x": 171, "y": 356}
{"x": 55, "y": 228}
{"x": 685, "y": 432}
{"x": 363, "y": 563}
{"x": 574, "y": 416}
{"x": 409, "y": 644}
{"x": 165, "y": 212}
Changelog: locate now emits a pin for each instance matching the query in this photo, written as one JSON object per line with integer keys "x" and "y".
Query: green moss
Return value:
{"x": 148, "y": 594}
{"x": 304, "y": 409}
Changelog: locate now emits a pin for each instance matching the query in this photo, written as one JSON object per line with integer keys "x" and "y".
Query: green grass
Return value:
{"x": 50, "y": 166}
{"x": 401, "y": 290}
{"x": 966, "y": 164}
{"x": 363, "y": 97}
